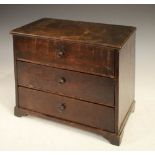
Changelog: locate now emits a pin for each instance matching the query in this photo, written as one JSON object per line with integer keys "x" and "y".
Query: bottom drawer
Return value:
{"x": 77, "y": 111}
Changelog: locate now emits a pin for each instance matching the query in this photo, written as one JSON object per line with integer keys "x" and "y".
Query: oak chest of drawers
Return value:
{"x": 77, "y": 73}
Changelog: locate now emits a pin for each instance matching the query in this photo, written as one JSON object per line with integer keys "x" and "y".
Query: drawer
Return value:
{"x": 77, "y": 111}
{"x": 68, "y": 83}
{"x": 66, "y": 55}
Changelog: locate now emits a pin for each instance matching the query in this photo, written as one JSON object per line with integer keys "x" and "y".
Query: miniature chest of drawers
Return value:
{"x": 77, "y": 73}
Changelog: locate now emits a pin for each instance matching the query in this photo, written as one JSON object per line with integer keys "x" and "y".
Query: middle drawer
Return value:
{"x": 83, "y": 86}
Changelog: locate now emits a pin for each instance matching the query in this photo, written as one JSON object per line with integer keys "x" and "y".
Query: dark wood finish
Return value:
{"x": 113, "y": 138}
{"x": 73, "y": 55}
{"x": 77, "y": 73}
{"x": 126, "y": 78}
{"x": 69, "y": 109}
{"x": 68, "y": 83}
{"x": 86, "y": 32}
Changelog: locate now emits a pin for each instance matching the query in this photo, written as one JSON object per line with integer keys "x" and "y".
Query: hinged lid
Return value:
{"x": 93, "y": 33}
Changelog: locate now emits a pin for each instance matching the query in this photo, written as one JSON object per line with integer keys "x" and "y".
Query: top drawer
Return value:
{"x": 66, "y": 55}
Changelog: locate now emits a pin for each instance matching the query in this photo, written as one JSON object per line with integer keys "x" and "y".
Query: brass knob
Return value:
{"x": 61, "y": 107}
{"x": 62, "y": 80}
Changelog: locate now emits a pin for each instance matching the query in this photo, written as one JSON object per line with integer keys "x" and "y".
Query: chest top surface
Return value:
{"x": 87, "y": 32}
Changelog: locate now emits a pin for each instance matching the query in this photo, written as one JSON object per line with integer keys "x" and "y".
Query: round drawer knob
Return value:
{"x": 61, "y": 107}
{"x": 60, "y": 51}
{"x": 62, "y": 80}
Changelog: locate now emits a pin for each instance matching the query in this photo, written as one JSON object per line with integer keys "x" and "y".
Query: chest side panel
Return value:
{"x": 126, "y": 78}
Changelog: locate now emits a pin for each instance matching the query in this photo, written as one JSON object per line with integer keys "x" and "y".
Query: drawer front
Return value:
{"x": 67, "y": 55}
{"x": 90, "y": 114}
{"x": 68, "y": 83}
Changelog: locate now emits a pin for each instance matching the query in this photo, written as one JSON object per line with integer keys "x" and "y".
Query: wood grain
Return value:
{"x": 78, "y": 73}
{"x": 78, "y": 57}
{"x": 74, "y": 110}
{"x": 87, "y": 87}
{"x": 86, "y": 32}
{"x": 126, "y": 78}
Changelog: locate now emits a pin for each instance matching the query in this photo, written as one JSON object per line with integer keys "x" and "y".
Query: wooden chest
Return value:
{"x": 78, "y": 73}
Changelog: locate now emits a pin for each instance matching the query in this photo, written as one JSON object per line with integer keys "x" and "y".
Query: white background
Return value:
{"x": 35, "y": 133}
